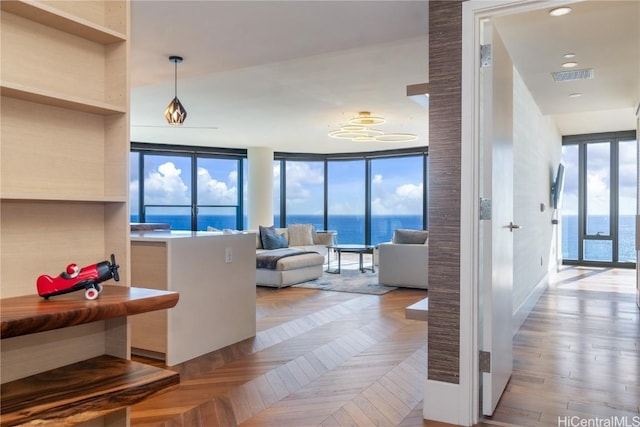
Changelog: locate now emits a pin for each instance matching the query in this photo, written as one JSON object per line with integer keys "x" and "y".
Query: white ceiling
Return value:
{"x": 284, "y": 73}
{"x": 604, "y": 36}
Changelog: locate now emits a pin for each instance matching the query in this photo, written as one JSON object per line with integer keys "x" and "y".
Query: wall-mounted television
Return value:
{"x": 556, "y": 187}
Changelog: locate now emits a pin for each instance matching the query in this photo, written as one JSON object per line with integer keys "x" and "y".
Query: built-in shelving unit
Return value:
{"x": 64, "y": 162}
{"x": 89, "y": 388}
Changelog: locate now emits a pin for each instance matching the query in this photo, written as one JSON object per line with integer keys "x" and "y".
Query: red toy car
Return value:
{"x": 74, "y": 279}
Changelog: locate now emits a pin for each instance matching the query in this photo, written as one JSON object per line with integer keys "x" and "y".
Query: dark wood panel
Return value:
{"x": 445, "y": 91}
{"x": 81, "y": 391}
{"x": 30, "y": 313}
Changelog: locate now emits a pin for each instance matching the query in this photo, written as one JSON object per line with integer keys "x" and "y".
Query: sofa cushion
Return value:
{"x": 300, "y": 234}
{"x": 303, "y": 260}
{"x": 271, "y": 239}
{"x": 405, "y": 236}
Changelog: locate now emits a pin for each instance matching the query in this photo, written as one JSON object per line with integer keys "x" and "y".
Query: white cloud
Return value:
{"x": 597, "y": 194}
{"x": 305, "y": 173}
{"x": 377, "y": 179}
{"x": 214, "y": 192}
{"x": 166, "y": 187}
{"x": 303, "y": 184}
{"x": 134, "y": 196}
{"x": 406, "y": 199}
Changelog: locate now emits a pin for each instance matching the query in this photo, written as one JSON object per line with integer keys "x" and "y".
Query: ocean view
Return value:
{"x": 599, "y": 250}
{"x": 350, "y": 229}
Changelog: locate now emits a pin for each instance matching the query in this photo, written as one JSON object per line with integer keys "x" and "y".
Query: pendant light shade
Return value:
{"x": 175, "y": 112}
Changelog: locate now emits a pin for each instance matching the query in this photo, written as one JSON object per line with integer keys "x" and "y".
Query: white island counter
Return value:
{"x": 214, "y": 273}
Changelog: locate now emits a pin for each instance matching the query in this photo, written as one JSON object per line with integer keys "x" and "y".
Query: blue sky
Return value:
{"x": 598, "y": 179}
{"x": 396, "y": 184}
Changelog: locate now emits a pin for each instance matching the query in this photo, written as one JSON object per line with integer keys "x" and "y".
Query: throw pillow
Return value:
{"x": 271, "y": 239}
{"x": 300, "y": 234}
{"x": 414, "y": 237}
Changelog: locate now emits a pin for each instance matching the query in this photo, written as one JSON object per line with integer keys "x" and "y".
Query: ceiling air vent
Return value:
{"x": 569, "y": 76}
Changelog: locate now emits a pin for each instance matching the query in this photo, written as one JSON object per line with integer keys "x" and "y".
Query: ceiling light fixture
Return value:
{"x": 560, "y": 11}
{"x": 358, "y": 131}
{"x": 365, "y": 118}
{"x": 569, "y": 64}
{"x": 575, "y": 95}
{"x": 175, "y": 112}
{"x": 569, "y": 55}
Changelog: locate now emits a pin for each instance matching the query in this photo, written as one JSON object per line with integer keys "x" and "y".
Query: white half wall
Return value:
{"x": 259, "y": 187}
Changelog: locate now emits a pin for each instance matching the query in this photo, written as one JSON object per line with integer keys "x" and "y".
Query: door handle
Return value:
{"x": 513, "y": 226}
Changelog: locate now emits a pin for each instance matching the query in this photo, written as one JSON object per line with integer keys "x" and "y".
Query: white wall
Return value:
{"x": 537, "y": 150}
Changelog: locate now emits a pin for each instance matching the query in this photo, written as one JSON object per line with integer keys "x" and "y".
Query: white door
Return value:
{"x": 496, "y": 233}
{"x": 638, "y": 213}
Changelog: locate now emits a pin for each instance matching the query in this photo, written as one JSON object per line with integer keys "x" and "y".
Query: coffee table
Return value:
{"x": 353, "y": 248}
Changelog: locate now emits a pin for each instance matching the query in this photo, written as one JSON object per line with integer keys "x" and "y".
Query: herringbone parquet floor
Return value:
{"x": 333, "y": 359}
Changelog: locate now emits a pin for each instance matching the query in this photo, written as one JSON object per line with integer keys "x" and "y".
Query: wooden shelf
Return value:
{"x": 46, "y": 97}
{"x": 31, "y": 313}
{"x": 18, "y": 197}
{"x": 81, "y": 391}
{"x": 65, "y": 155}
{"x": 54, "y": 18}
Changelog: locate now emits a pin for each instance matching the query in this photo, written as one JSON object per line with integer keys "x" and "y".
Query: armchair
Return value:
{"x": 404, "y": 264}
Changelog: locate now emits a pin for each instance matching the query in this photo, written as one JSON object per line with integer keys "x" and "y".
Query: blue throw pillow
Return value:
{"x": 271, "y": 239}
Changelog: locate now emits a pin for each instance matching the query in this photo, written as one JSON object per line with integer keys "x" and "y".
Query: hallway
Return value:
{"x": 578, "y": 353}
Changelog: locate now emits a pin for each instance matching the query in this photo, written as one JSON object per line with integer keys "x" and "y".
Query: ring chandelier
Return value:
{"x": 358, "y": 130}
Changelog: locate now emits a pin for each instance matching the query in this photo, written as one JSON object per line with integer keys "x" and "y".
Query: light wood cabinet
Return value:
{"x": 64, "y": 157}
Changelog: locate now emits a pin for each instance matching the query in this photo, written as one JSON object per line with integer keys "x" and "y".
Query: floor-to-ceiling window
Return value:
{"x": 166, "y": 184}
{"x": 598, "y": 208}
{"x": 188, "y": 189}
{"x": 346, "y": 207}
{"x": 397, "y": 195}
{"x": 364, "y": 197}
{"x": 134, "y": 186}
{"x": 627, "y": 198}
{"x": 304, "y": 192}
{"x": 217, "y": 193}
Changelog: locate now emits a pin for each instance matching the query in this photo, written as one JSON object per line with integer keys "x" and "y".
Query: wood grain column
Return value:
{"x": 445, "y": 121}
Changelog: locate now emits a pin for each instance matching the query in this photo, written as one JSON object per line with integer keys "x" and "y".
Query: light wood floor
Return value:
{"x": 338, "y": 359}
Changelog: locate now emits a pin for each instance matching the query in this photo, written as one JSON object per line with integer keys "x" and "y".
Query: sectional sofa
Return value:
{"x": 292, "y": 269}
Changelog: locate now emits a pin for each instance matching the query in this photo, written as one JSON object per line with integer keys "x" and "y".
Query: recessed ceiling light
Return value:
{"x": 569, "y": 55}
{"x": 575, "y": 95}
{"x": 570, "y": 64}
{"x": 560, "y": 11}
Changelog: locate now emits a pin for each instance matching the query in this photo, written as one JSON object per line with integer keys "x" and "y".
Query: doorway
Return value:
{"x": 474, "y": 12}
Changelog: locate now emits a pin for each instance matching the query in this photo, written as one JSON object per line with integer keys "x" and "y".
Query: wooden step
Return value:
{"x": 418, "y": 311}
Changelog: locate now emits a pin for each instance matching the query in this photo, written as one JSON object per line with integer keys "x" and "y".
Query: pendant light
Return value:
{"x": 175, "y": 112}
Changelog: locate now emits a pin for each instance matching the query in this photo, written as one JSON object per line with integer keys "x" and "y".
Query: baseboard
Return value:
{"x": 522, "y": 312}
{"x": 441, "y": 402}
